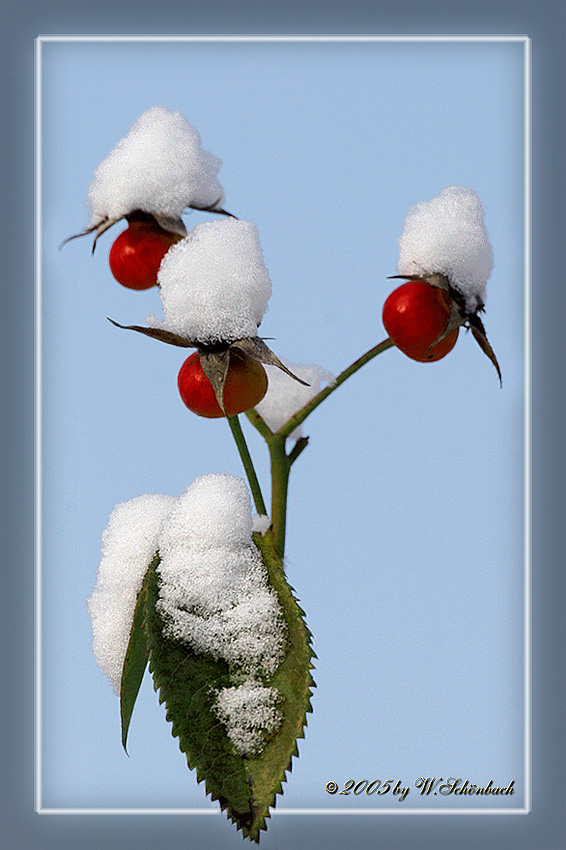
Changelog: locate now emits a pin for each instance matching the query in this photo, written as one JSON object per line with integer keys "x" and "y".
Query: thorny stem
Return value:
{"x": 281, "y": 461}
{"x": 240, "y": 440}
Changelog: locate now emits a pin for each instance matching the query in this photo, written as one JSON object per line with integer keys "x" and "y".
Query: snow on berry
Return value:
{"x": 214, "y": 285}
{"x": 248, "y": 711}
{"x": 285, "y": 397}
{"x": 129, "y": 544}
{"x": 447, "y": 235}
{"x": 159, "y": 167}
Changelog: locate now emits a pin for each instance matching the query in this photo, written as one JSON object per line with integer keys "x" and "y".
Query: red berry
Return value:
{"x": 246, "y": 385}
{"x": 414, "y": 315}
{"x": 136, "y": 254}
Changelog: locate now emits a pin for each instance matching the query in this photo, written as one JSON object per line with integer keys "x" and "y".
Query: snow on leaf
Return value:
{"x": 188, "y": 683}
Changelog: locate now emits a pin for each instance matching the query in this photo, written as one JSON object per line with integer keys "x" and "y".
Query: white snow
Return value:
{"x": 447, "y": 235}
{"x": 248, "y": 712}
{"x": 129, "y": 544}
{"x": 285, "y": 396}
{"x": 214, "y": 592}
{"x": 214, "y": 285}
{"x": 214, "y": 511}
{"x": 158, "y": 167}
{"x": 261, "y": 523}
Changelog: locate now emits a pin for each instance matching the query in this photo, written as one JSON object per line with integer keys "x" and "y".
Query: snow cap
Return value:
{"x": 159, "y": 167}
{"x": 447, "y": 235}
{"x": 214, "y": 285}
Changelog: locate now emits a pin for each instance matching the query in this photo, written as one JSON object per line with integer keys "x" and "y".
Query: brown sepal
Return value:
{"x": 215, "y": 357}
{"x": 256, "y": 348}
{"x": 478, "y": 333}
{"x": 215, "y": 366}
{"x": 157, "y": 333}
{"x": 171, "y": 224}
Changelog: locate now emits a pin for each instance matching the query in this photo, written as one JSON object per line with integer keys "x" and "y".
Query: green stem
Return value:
{"x": 259, "y": 424}
{"x": 280, "y": 469}
{"x": 240, "y": 440}
{"x": 300, "y": 416}
{"x": 297, "y": 449}
{"x": 281, "y": 462}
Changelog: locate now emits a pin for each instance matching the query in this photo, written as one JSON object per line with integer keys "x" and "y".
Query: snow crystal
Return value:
{"x": 158, "y": 167}
{"x": 213, "y": 512}
{"x": 261, "y": 523}
{"x": 248, "y": 711}
{"x": 214, "y": 285}
{"x": 214, "y": 591}
{"x": 129, "y": 544}
{"x": 447, "y": 235}
{"x": 285, "y": 396}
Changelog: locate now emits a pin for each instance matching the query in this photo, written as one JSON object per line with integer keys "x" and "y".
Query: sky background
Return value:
{"x": 405, "y": 528}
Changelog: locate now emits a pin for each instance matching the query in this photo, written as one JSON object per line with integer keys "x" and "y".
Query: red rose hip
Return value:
{"x": 246, "y": 385}
{"x": 136, "y": 254}
{"x": 414, "y": 315}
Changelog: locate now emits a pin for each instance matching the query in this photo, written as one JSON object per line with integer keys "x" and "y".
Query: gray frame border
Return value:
{"x": 544, "y": 22}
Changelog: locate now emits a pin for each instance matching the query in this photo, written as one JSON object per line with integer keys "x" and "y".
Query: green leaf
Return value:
{"x": 245, "y": 786}
{"x": 135, "y": 662}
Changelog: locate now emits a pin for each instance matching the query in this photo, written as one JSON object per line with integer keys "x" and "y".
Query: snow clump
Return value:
{"x": 249, "y": 712}
{"x": 261, "y": 523}
{"x": 214, "y": 285}
{"x": 215, "y": 595}
{"x": 285, "y": 397}
{"x": 129, "y": 544}
{"x": 447, "y": 235}
{"x": 214, "y": 592}
{"x": 159, "y": 167}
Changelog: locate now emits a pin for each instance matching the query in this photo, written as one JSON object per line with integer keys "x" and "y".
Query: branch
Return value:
{"x": 299, "y": 417}
{"x": 240, "y": 440}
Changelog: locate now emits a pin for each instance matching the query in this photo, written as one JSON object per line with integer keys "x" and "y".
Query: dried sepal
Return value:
{"x": 253, "y": 347}
{"x": 213, "y": 208}
{"x": 478, "y": 333}
{"x": 215, "y": 366}
{"x": 455, "y": 320}
{"x": 169, "y": 223}
{"x": 100, "y": 228}
{"x": 473, "y": 321}
{"x": 172, "y": 225}
{"x": 158, "y": 333}
{"x": 435, "y": 279}
{"x": 256, "y": 348}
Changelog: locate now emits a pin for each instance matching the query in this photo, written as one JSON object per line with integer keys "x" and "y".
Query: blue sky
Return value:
{"x": 405, "y": 533}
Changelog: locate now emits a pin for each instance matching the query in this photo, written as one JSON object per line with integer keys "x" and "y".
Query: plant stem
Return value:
{"x": 305, "y": 411}
{"x": 297, "y": 449}
{"x": 280, "y": 469}
{"x": 259, "y": 424}
{"x": 240, "y": 440}
{"x": 281, "y": 462}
